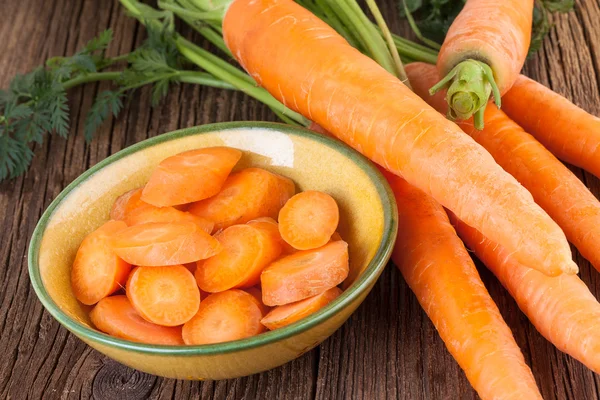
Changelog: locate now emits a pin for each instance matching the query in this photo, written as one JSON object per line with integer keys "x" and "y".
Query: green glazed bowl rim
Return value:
{"x": 368, "y": 277}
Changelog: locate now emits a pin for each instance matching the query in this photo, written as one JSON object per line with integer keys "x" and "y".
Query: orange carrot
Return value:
{"x": 440, "y": 272}
{"x": 126, "y": 203}
{"x": 165, "y": 296}
{"x": 314, "y": 71}
{"x": 117, "y": 317}
{"x": 308, "y": 220}
{"x": 483, "y": 52}
{"x": 288, "y": 314}
{"x": 190, "y": 176}
{"x": 247, "y": 250}
{"x": 149, "y": 213}
{"x": 570, "y": 133}
{"x": 553, "y": 186}
{"x": 248, "y": 194}
{"x": 159, "y": 243}
{"x": 561, "y": 308}
{"x": 257, "y": 294}
{"x": 97, "y": 271}
{"x": 304, "y": 274}
{"x": 222, "y": 317}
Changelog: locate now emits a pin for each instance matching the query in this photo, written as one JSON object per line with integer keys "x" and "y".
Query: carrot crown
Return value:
{"x": 469, "y": 85}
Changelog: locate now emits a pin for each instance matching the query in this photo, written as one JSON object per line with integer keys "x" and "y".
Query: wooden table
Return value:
{"x": 388, "y": 349}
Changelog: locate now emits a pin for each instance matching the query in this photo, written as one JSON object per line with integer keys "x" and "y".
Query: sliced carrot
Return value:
{"x": 165, "y": 296}
{"x": 190, "y": 176}
{"x": 257, "y": 294}
{"x": 97, "y": 270}
{"x": 222, "y": 317}
{"x": 248, "y": 194}
{"x": 150, "y": 213}
{"x": 125, "y": 203}
{"x": 247, "y": 250}
{"x": 308, "y": 220}
{"x": 305, "y": 274}
{"x": 284, "y": 315}
{"x": 159, "y": 243}
{"x": 116, "y": 316}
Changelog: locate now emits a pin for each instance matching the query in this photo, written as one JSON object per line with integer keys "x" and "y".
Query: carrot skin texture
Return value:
{"x": 440, "y": 272}
{"x": 495, "y": 31}
{"x": 116, "y": 316}
{"x": 569, "y": 132}
{"x": 318, "y": 74}
{"x": 561, "y": 308}
{"x": 553, "y": 186}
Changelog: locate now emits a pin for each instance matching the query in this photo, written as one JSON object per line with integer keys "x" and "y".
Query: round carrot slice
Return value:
{"x": 247, "y": 194}
{"x": 158, "y": 243}
{"x": 308, "y": 220}
{"x": 284, "y": 315}
{"x": 97, "y": 270}
{"x": 150, "y": 213}
{"x": 190, "y": 176}
{"x": 222, "y": 317}
{"x": 304, "y": 274}
{"x": 125, "y": 203}
{"x": 116, "y": 316}
{"x": 165, "y": 296}
{"x": 247, "y": 250}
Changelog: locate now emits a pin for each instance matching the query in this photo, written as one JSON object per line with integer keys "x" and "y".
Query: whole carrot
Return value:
{"x": 440, "y": 272}
{"x": 561, "y": 308}
{"x": 569, "y": 132}
{"x": 483, "y": 53}
{"x": 553, "y": 186}
{"x": 310, "y": 68}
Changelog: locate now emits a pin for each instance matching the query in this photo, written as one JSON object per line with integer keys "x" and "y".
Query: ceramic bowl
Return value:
{"x": 368, "y": 222}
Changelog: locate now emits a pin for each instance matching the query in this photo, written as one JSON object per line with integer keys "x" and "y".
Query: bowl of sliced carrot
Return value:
{"x": 216, "y": 251}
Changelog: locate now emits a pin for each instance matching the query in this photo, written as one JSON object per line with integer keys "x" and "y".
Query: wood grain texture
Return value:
{"x": 387, "y": 350}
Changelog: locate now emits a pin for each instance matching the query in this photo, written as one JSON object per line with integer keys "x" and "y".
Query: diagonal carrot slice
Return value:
{"x": 305, "y": 274}
{"x": 116, "y": 316}
{"x": 149, "y": 213}
{"x": 97, "y": 270}
{"x": 159, "y": 243}
{"x": 190, "y": 176}
{"x": 288, "y": 314}
{"x": 247, "y": 250}
{"x": 165, "y": 296}
{"x": 247, "y": 194}
{"x": 222, "y": 317}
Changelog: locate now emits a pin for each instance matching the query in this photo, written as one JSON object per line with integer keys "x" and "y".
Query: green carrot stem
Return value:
{"x": 416, "y": 30}
{"x": 204, "y": 79}
{"x": 203, "y": 59}
{"x": 215, "y": 15}
{"x": 399, "y": 68}
{"x": 91, "y": 77}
